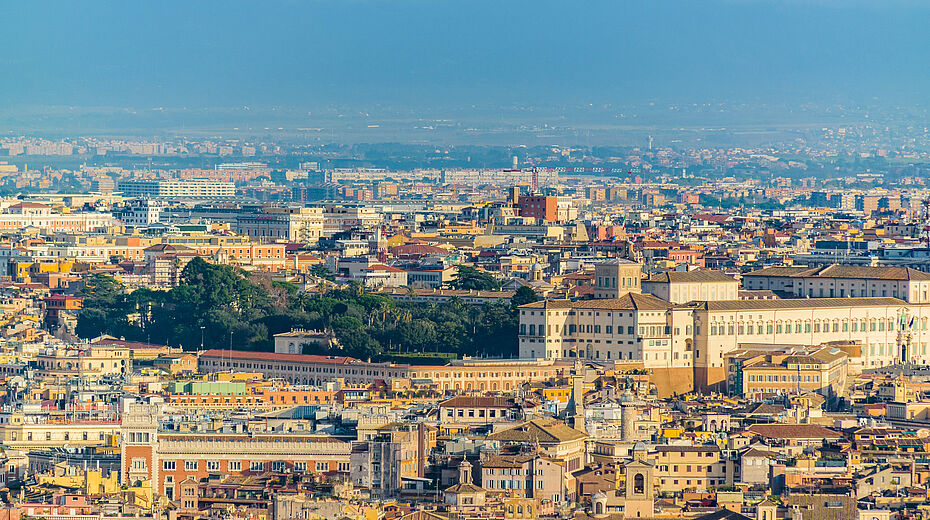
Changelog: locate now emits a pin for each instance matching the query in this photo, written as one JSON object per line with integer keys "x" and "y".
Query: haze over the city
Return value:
{"x": 223, "y": 65}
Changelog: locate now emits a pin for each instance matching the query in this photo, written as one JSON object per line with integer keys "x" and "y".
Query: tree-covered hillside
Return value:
{"x": 226, "y": 307}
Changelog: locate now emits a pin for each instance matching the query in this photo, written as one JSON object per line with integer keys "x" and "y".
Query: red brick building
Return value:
{"x": 540, "y": 206}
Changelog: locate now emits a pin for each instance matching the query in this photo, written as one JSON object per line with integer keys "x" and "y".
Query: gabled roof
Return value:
{"x": 170, "y": 248}
{"x": 629, "y": 301}
{"x": 271, "y": 356}
{"x": 752, "y": 451}
{"x": 798, "y": 303}
{"x": 539, "y": 431}
{"x": 710, "y": 217}
{"x": 418, "y": 249}
{"x": 422, "y": 515}
{"x": 766, "y": 409}
{"x": 383, "y": 267}
{"x": 32, "y": 205}
{"x": 794, "y": 431}
{"x": 699, "y": 275}
{"x": 723, "y": 514}
{"x": 465, "y": 401}
{"x": 845, "y": 271}
{"x": 780, "y": 271}
{"x": 459, "y": 489}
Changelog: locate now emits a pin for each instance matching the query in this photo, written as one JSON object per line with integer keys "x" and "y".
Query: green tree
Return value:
{"x": 227, "y": 307}
{"x": 523, "y": 296}
{"x": 468, "y": 278}
{"x": 320, "y": 271}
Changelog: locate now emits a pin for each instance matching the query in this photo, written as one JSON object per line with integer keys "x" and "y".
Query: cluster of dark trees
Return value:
{"x": 219, "y": 306}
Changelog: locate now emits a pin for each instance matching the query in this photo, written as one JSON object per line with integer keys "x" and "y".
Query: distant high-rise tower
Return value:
{"x": 650, "y": 142}
{"x": 516, "y": 162}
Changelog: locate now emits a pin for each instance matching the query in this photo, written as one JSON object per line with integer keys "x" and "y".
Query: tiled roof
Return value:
{"x": 418, "y": 249}
{"x": 539, "y": 430}
{"x": 271, "y": 356}
{"x": 845, "y": 271}
{"x": 794, "y": 431}
{"x": 699, "y": 275}
{"x": 629, "y": 301}
{"x": 464, "y": 401}
{"x": 798, "y": 303}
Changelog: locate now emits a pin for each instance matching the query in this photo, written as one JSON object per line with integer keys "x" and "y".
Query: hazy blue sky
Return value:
{"x": 307, "y": 53}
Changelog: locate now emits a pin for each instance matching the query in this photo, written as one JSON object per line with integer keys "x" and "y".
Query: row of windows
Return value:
{"x": 48, "y": 436}
{"x": 644, "y": 330}
{"x": 572, "y": 329}
{"x": 831, "y": 293}
{"x": 697, "y": 482}
{"x": 330, "y": 370}
{"x": 582, "y": 313}
{"x": 891, "y": 350}
{"x": 784, "y": 379}
{"x": 688, "y": 468}
{"x": 511, "y": 484}
{"x": 611, "y": 282}
{"x": 255, "y": 465}
{"x": 511, "y": 471}
{"x": 682, "y": 454}
{"x": 597, "y": 355}
{"x": 807, "y": 326}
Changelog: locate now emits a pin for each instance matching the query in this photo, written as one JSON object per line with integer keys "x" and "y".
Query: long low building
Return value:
{"x": 676, "y": 339}
{"x": 461, "y": 375}
{"x": 178, "y": 189}
{"x": 888, "y": 330}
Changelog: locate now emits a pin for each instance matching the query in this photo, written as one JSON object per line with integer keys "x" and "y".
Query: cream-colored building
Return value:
{"x": 634, "y": 327}
{"x": 303, "y": 224}
{"x": 24, "y": 215}
{"x": 25, "y": 431}
{"x": 682, "y": 467}
{"x": 691, "y": 286}
{"x": 888, "y": 329}
{"x": 83, "y": 361}
{"x": 843, "y": 281}
{"x": 663, "y": 336}
{"x": 342, "y": 218}
{"x": 468, "y": 375}
{"x": 615, "y": 277}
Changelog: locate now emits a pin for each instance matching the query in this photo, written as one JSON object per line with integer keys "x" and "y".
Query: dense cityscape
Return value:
{"x": 654, "y": 331}
{"x": 429, "y": 260}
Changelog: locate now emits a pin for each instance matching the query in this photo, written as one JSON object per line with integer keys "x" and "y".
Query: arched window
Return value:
{"x": 639, "y": 483}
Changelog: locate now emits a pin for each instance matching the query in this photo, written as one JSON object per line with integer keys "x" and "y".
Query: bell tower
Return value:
{"x": 640, "y": 491}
